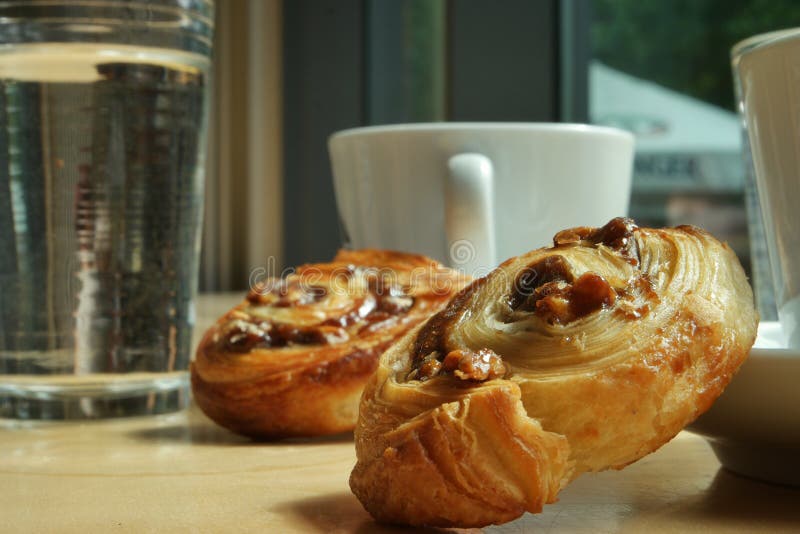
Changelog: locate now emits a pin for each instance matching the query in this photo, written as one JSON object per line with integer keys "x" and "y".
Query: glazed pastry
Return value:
{"x": 580, "y": 357}
{"x": 293, "y": 358}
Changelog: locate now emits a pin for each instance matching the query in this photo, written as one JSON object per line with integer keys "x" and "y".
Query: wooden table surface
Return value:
{"x": 180, "y": 472}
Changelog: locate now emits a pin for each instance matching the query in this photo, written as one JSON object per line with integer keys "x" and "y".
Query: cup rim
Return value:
{"x": 761, "y": 40}
{"x": 453, "y": 126}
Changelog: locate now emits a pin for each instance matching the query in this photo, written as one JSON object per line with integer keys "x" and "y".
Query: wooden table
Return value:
{"x": 180, "y": 472}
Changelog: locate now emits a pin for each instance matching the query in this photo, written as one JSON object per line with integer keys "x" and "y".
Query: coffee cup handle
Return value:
{"x": 469, "y": 213}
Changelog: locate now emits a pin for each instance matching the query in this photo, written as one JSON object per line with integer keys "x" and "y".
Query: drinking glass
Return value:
{"x": 103, "y": 112}
{"x": 767, "y": 78}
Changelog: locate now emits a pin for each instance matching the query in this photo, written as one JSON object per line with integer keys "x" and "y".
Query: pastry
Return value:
{"x": 580, "y": 357}
{"x": 293, "y": 358}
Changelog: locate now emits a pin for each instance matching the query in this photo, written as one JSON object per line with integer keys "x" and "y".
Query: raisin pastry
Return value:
{"x": 580, "y": 357}
{"x": 293, "y": 358}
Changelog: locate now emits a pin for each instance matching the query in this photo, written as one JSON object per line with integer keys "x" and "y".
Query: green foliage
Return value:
{"x": 683, "y": 44}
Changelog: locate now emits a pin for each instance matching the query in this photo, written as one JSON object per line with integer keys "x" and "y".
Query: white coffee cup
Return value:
{"x": 474, "y": 194}
{"x": 767, "y": 69}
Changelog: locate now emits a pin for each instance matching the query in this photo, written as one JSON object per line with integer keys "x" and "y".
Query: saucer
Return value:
{"x": 754, "y": 427}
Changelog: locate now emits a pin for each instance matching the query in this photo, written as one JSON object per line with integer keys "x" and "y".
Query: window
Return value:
{"x": 291, "y": 72}
{"x": 662, "y": 71}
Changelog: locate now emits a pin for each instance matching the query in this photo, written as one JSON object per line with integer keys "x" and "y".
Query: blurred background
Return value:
{"x": 289, "y": 73}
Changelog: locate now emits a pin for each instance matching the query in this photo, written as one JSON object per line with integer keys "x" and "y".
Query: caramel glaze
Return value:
{"x": 382, "y": 303}
{"x": 466, "y": 364}
{"x": 618, "y": 234}
{"x": 547, "y": 288}
{"x": 430, "y": 344}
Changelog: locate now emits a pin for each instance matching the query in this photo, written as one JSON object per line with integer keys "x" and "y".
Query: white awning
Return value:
{"x": 663, "y": 120}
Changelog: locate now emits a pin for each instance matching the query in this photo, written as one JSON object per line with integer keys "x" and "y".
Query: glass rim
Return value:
{"x": 761, "y": 40}
{"x": 186, "y": 25}
{"x": 201, "y": 10}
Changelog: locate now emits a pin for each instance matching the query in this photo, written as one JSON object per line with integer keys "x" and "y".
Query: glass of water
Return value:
{"x": 103, "y": 113}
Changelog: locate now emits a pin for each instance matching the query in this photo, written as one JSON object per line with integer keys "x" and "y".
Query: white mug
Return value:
{"x": 473, "y": 194}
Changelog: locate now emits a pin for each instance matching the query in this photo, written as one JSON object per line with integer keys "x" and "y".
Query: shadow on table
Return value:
{"x": 744, "y": 501}
{"x": 730, "y": 501}
{"x": 342, "y": 512}
{"x": 195, "y": 428}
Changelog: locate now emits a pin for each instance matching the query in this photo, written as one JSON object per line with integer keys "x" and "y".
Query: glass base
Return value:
{"x": 70, "y": 397}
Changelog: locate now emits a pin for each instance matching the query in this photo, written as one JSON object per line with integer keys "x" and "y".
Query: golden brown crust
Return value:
{"x": 611, "y": 342}
{"x": 293, "y": 358}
